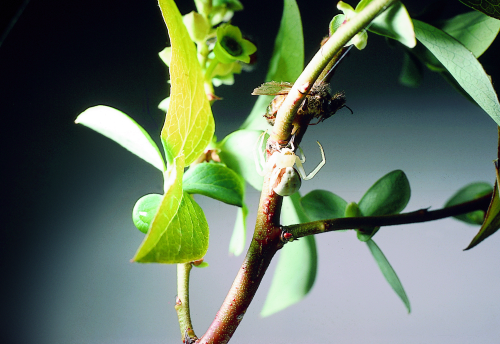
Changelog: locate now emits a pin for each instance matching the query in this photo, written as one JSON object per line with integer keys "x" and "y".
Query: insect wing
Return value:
{"x": 273, "y": 88}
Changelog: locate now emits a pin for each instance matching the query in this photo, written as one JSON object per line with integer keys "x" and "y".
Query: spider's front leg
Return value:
{"x": 311, "y": 175}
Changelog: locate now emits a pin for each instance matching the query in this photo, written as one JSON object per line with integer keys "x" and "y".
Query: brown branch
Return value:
{"x": 422, "y": 215}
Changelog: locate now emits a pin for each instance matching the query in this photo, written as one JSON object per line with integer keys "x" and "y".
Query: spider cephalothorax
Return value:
{"x": 285, "y": 179}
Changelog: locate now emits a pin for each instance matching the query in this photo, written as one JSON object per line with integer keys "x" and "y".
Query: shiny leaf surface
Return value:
{"x": 122, "y": 129}
{"x": 462, "y": 64}
{"x": 216, "y": 181}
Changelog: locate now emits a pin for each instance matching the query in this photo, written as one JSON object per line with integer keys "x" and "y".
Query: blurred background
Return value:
{"x": 67, "y": 236}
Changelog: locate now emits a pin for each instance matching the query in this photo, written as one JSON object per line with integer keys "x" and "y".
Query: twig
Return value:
{"x": 422, "y": 215}
{"x": 182, "y": 303}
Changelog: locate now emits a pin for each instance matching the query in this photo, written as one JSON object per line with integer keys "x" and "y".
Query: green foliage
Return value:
{"x": 297, "y": 266}
{"x": 122, "y": 129}
{"x": 388, "y": 272}
{"x": 215, "y": 181}
{"x": 189, "y": 124}
{"x": 474, "y": 30}
{"x": 394, "y": 22}
{"x": 491, "y": 221}
{"x": 287, "y": 62}
{"x": 462, "y": 65}
{"x": 322, "y": 205}
{"x": 469, "y": 193}
{"x": 145, "y": 210}
{"x": 389, "y": 195}
{"x": 488, "y": 7}
{"x": 238, "y": 238}
{"x": 175, "y": 226}
{"x": 237, "y": 151}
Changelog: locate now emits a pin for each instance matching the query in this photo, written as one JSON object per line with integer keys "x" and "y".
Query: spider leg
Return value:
{"x": 303, "y": 158}
{"x": 320, "y": 165}
{"x": 259, "y": 158}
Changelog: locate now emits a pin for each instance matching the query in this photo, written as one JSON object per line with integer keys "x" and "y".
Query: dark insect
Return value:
{"x": 319, "y": 102}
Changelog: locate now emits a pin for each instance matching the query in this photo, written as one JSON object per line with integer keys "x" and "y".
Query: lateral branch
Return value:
{"x": 366, "y": 222}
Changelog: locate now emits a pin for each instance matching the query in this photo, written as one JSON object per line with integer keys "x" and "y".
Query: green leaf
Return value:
{"x": 352, "y": 210}
{"x": 395, "y": 23}
{"x": 475, "y": 30}
{"x": 411, "y": 72}
{"x": 216, "y": 181}
{"x": 237, "y": 151}
{"x": 491, "y": 222}
{"x": 389, "y": 195}
{"x": 179, "y": 231}
{"x": 238, "y": 238}
{"x": 145, "y": 210}
{"x": 297, "y": 266}
{"x": 469, "y": 193}
{"x": 189, "y": 124}
{"x": 462, "y": 64}
{"x": 123, "y": 130}
{"x": 323, "y": 205}
{"x": 489, "y": 7}
{"x": 287, "y": 61}
{"x": 388, "y": 272}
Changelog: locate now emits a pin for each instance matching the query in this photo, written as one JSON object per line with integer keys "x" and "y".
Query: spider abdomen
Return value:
{"x": 288, "y": 182}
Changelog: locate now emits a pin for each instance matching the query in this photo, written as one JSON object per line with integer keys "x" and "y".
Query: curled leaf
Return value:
{"x": 145, "y": 210}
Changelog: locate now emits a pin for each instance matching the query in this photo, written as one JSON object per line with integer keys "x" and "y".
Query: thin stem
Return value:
{"x": 182, "y": 303}
{"x": 422, "y": 215}
{"x": 284, "y": 118}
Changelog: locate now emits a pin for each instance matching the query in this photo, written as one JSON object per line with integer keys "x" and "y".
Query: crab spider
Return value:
{"x": 285, "y": 179}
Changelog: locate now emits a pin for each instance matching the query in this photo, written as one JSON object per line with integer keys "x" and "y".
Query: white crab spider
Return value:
{"x": 285, "y": 179}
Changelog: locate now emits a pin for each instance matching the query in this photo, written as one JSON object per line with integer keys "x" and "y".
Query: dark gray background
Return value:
{"x": 67, "y": 235}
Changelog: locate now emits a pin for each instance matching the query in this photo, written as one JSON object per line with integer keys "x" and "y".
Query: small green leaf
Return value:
{"x": 297, "y": 266}
{"x": 237, "y": 151}
{"x": 123, "y": 130}
{"x": 216, "y": 181}
{"x": 323, "y": 205}
{"x": 145, "y": 210}
{"x": 475, "y": 30}
{"x": 389, "y": 195}
{"x": 179, "y": 231}
{"x": 388, "y": 272}
{"x": 462, "y": 64}
{"x": 491, "y": 222}
{"x": 238, "y": 238}
{"x": 469, "y": 193}
{"x": 411, "y": 72}
{"x": 489, "y": 7}
{"x": 395, "y": 23}
{"x": 287, "y": 61}
{"x": 189, "y": 124}
{"x": 352, "y": 210}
